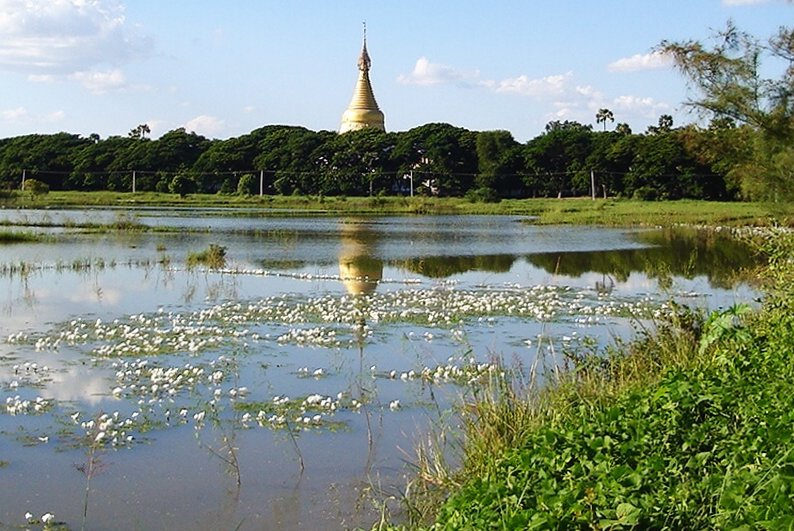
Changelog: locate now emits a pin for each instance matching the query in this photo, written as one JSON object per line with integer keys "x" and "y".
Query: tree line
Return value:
{"x": 745, "y": 152}
{"x": 568, "y": 159}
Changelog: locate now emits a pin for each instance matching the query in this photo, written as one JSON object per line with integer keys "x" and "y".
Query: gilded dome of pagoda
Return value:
{"x": 363, "y": 110}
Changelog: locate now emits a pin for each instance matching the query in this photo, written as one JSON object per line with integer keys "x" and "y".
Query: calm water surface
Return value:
{"x": 136, "y": 391}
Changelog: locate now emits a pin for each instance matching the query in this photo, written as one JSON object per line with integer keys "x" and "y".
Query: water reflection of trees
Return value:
{"x": 677, "y": 252}
{"x": 444, "y": 266}
{"x": 674, "y": 252}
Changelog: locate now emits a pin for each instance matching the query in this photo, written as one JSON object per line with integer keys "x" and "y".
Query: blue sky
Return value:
{"x": 223, "y": 69}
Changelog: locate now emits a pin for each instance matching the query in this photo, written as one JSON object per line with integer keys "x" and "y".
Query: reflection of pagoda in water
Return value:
{"x": 363, "y": 110}
{"x": 359, "y": 270}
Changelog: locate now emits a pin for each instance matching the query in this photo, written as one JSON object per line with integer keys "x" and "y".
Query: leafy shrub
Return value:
{"x": 36, "y": 187}
{"x": 182, "y": 185}
{"x": 248, "y": 185}
{"x": 213, "y": 257}
{"x": 482, "y": 195}
{"x": 646, "y": 193}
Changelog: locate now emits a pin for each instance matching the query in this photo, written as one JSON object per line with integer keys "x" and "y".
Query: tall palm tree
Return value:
{"x": 603, "y": 115}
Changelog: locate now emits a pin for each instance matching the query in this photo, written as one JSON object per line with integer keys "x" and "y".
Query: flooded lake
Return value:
{"x": 281, "y": 390}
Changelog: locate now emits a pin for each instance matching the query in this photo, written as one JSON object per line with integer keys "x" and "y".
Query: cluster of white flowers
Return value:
{"x": 229, "y": 322}
{"x": 304, "y": 372}
{"x": 109, "y": 429}
{"x": 146, "y": 380}
{"x": 45, "y": 518}
{"x": 320, "y": 336}
{"x": 14, "y": 405}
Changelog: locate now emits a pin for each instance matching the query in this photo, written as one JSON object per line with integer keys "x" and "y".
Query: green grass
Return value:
{"x": 546, "y": 211}
{"x": 689, "y": 427}
{"x": 7, "y": 237}
{"x": 213, "y": 257}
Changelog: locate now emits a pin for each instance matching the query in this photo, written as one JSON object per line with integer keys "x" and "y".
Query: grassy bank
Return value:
{"x": 689, "y": 427}
{"x": 8, "y": 237}
{"x": 546, "y": 211}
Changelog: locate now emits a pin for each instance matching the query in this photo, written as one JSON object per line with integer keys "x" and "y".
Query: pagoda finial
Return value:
{"x": 364, "y": 62}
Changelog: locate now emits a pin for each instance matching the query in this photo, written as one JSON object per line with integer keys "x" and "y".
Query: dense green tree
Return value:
{"x": 445, "y": 157}
{"x": 92, "y": 162}
{"x": 556, "y": 160}
{"x": 356, "y": 163}
{"x": 623, "y": 128}
{"x": 47, "y": 157}
{"x": 499, "y": 163}
{"x": 729, "y": 79}
{"x": 287, "y": 155}
{"x": 607, "y": 169}
{"x": 663, "y": 168}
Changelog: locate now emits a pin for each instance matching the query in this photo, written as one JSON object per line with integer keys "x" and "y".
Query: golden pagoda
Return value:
{"x": 363, "y": 110}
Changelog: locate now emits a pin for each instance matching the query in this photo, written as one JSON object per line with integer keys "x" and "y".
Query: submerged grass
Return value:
{"x": 616, "y": 212}
{"x": 213, "y": 257}
{"x": 689, "y": 427}
{"x": 7, "y": 237}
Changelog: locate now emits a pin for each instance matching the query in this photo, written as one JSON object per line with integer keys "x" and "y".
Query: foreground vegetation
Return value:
{"x": 687, "y": 428}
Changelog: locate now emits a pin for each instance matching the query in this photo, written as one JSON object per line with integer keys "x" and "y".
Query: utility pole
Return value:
{"x": 23, "y": 178}
{"x": 592, "y": 183}
{"x": 261, "y": 183}
{"x": 411, "y": 174}
{"x": 133, "y": 181}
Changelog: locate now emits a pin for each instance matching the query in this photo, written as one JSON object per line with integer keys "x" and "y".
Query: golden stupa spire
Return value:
{"x": 363, "y": 110}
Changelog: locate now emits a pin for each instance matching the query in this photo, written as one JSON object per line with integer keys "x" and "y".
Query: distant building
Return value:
{"x": 363, "y": 110}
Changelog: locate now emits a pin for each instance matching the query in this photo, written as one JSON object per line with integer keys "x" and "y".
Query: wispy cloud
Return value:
{"x": 81, "y": 40}
{"x": 21, "y": 115}
{"x": 13, "y": 115}
{"x": 743, "y": 2}
{"x": 566, "y": 99}
{"x": 637, "y": 62}
{"x": 427, "y": 73}
{"x": 539, "y": 87}
{"x": 644, "y": 107}
{"x": 209, "y": 126}
{"x": 100, "y": 82}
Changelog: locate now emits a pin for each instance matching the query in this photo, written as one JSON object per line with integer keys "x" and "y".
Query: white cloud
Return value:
{"x": 427, "y": 73}
{"x": 547, "y": 86}
{"x": 13, "y": 115}
{"x": 204, "y": 125}
{"x": 41, "y": 78}
{"x": 637, "y": 62}
{"x": 22, "y": 115}
{"x": 644, "y": 107}
{"x": 45, "y": 37}
{"x": 100, "y": 82}
{"x": 55, "y": 116}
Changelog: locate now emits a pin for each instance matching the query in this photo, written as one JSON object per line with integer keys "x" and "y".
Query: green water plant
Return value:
{"x": 213, "y": 257}
{"x": 7, "y": 237}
